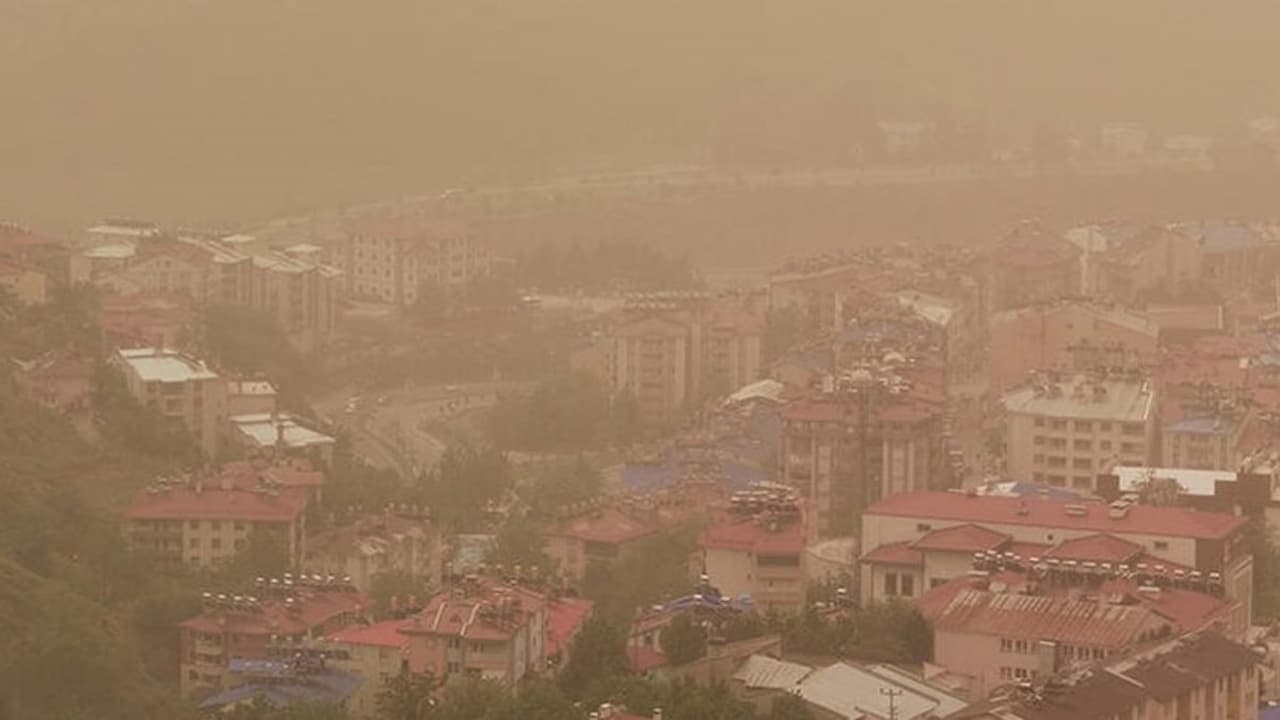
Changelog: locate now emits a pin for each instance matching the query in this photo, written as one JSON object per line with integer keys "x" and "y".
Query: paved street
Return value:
{"x": 389, "y": 429}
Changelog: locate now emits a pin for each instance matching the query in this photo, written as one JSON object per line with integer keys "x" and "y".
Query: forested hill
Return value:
{"x": 243, "y": 108}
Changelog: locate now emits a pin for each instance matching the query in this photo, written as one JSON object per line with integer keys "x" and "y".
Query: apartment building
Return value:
{"x": 390, "y": 259}
{"x": 285, "y": 617}
{"x": 1031, "y": 265}
{"x": 1067, "y": 336}
{"x": 1200, "y": 677}
{"x": 58, "y": 381}
{"x": 598, "y": 534}
{"x": 758, "y": 553}
{"x": 376, "y": 653}
{"x": 651, "y": 361}
{"x": 401, "y": 540}
{"x": 190, "y": 523}
{"x": 932, "y": 536}
{"x": 480, "y": 628}
{"x": 181, "y": 388}
{"x": 863, "y": 440}
{"x": 146, "y": 320}
{"x": 23, "y": 282}
{"x": 1066, "y": 431}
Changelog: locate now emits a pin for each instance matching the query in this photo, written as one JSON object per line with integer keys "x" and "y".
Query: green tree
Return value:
{"x": 461, "y": 487}
{"x": 597, "y": 657}
{"x": 790, "y": 707}
{"x": 265, "y": 554}
{"x": 252, "y": 342}
{"x": 785, "y": 327}
{"x": 519, "y": 542}
{"x": 538, "y": 701}
{"x": 559, "y": 483}
{"x": 399, "y": 585}
{"x": 892, "y": 632}
{"x": 137, "y": 429}
{"x": 1266, "y": 569}
{"x": 683, "y": 641}
{"x": 406, "y": 696}
{"x": 260, "y": 709}
{"x": 469, "y": 698}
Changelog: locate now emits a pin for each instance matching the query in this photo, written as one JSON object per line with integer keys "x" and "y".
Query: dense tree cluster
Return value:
{"x": 564, "y": 413}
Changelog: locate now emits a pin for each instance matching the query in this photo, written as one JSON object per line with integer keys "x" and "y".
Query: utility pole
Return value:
{"x": 892, "y": 694}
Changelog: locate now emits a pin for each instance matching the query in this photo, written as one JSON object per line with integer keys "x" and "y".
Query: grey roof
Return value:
{"x": 856, "y": 693}
{"x": 1119, "y": 400}
{"x": 762, "y": 671}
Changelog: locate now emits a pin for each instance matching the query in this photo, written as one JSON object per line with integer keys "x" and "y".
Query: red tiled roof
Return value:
{"x": 1099, "y": 548}
{"x": 899, "y": 553}
{"x": 564, "y": 617}
{"x": 1078, "y": 622}
{"x": 478, "y": 616}
{"x": 1027, "y": 549}
{"x": 217, "y": 504}
{"x": 1041, "y": 512}
{"x": 755, "y": 538}
{"x": 961, "y": 538}
{"x": 313, "y": 609}
{"x": 383, "y": 634}
{"x": 612, "y": 526}
{"x": 643, "y": 658}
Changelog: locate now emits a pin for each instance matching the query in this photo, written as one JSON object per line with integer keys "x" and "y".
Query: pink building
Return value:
{"x": 902, "y": 534}
{"x": 487, "y": 628}
{"x": 1201, "y": 677}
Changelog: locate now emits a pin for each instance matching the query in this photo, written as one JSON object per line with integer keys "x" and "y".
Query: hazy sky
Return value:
{"x": 243, "y": 108}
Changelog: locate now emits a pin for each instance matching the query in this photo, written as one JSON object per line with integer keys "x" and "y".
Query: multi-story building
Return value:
{"x": 949, "y": 527}
{"x": 285, "y": 617}
{"x": 1068, "y": 336}
{"x": 1234, "y": 255}
{"x": 674, "y": 350}
{"x": 1007, "y": 620}
{"x": 1200, "y": 677}
{"x": 1129, "y": 264}
{"x": 401, "y": 540}
{"x": 303, "y": 297}
{"x": 376, "y": 653}
{"x": 392, "y": 258}
{"x": 863, "y": 440}
{"x": 182, "y": 389}
{"x": 1031, "y": 265}
{"x": 480, "y": 628}
{"x": 759, "y": 552}
{"x": 189, "y": 522}
{"x": 1066, "y": 432}
{"x": 599, "y": 534}
{"x": 146, "y": 320}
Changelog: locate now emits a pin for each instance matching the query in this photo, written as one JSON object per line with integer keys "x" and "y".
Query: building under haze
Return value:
{"x": 182, "y": 389}
{"x": 393, "y": 258}
{"x": 1065, "y": 431}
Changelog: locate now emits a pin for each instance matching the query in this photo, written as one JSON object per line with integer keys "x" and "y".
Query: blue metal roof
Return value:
{"x": 332, "y": 686}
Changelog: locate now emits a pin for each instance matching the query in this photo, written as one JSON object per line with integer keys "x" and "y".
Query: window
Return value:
{"x": 1160, "y": 545}
{"x": 1082, "y": 463}
{"x": 194, "y": 543}
{"x": 1038, "y": 440}
{"x": 1129, "y": 448}
{"x": 240, "y": 544}
{"x": 1058, "y": 424}
{"x": 1057, "y": 461}
{"x": 1104, "y": 426}
{"x": 1021, "y": 673}
{"x": 1006, "y": 673}
{"x": 908, "y": 585}
{"x": 215, "y": 525}
{"x": 1037, "y": 459}
{"x": 1133, "y": 429}
{"x": 216, "y": 543}
{"x": 1039, "y": 422}
{"x": 239, "y": 525}
{"x": 1084, "y": 426}
{"x": 193, "y": 524}
{"x": 923, "y": 527}
{"x": 1081, "y": 481}
{"x": 1020, "y": 646}
{"x": 455, "y": 643}
{"x": 891, "y": 583}
{"x": 452, "y": 667}
{"x": 1058, "y": 480}
{"x": 1006, "y": 645}
{"x": 1082, "y": 445}
{"x": 935, "y": 582}
{"x": 1104, "y": 444}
